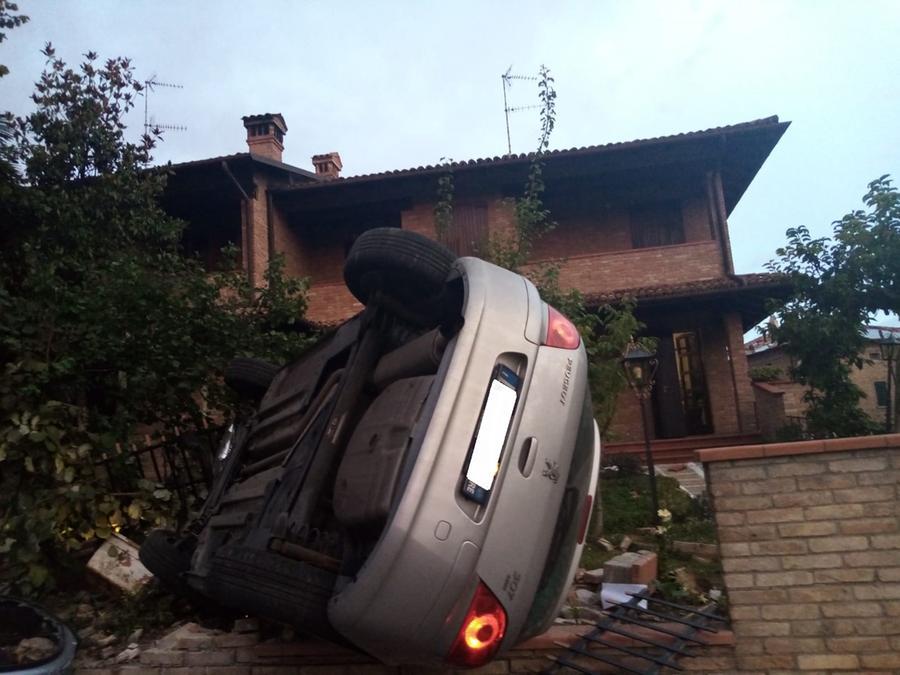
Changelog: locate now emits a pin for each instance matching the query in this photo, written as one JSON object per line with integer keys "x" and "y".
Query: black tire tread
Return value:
{"x": 250, "y": 377}
{"x": 273, "y": 586}
{"x": 161, "y": 555}
{"x": 411, "y": 264}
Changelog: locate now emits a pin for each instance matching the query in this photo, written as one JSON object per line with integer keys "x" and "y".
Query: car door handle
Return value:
{"x": 527, "y": 455}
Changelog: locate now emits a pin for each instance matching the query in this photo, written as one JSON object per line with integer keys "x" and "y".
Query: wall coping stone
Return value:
{"x": 798, "y": 448}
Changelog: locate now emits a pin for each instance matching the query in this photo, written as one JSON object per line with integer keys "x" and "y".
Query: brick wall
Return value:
{"x": 872, "y": 371}
{"x": 809, "y": 534}
{"x": 255, "y": 237}
{"x": 586, "y": 225}
{"x": 734, "y": 335}
{"x": 776, "y": 404}
{"x": 594, "y": 249}
{"x": 626, "y": 424}
{"x": 331, "y": 303}
{"x": 288, "y": 243}
{"x": 658, "y": 266}
{"x": 723, "y": 403}
{"x": 420, "y": 218}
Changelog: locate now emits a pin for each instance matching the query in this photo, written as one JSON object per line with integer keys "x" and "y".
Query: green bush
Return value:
{"x": 106, "y": 328}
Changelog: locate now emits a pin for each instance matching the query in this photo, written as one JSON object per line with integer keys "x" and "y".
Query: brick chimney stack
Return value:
{"x": 328, "y": 166}
{"x": 265, "y": 135}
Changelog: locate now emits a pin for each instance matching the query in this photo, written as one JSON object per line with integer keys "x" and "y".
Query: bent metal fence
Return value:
{"x": 182, "y": 464}
{"x": 659, "y": 632}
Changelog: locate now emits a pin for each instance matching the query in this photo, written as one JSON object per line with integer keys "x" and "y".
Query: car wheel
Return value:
{"x": 274, "y": 586}
{"x": 406, "y": 266}
{"x": 250, "y": 378}
{"x": 168, "y": 556}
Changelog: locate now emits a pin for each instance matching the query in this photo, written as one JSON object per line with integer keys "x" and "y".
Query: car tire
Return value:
{"x": 168, "y": 556}
{"x": 406, "y": 266}
{"x": 249, "y": 377}
{"x": 274, "y": 586}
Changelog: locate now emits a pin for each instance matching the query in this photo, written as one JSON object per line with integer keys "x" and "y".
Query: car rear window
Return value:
{"x": 555, "y": 575}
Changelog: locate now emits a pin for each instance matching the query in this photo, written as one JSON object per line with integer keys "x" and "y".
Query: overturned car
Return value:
{"x": 419, "y": 485}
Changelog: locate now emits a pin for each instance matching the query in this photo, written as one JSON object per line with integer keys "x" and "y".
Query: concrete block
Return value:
{"x": 631, "y": 568}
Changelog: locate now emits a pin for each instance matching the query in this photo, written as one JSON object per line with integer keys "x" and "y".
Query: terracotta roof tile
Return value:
{"x": 700, "y": 287}
{"x": 524, "y": 157}
{"x": 242, "y": 156}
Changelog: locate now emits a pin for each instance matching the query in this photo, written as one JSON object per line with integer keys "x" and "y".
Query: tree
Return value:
{"x": 8, "y": 20}
{"x": 106, "y": 328}
{"x": 839, "y": 284}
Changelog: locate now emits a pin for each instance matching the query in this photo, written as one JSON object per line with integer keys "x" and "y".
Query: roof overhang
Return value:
{"x": 737, "y": 151}
{"x": 748, "y": 294}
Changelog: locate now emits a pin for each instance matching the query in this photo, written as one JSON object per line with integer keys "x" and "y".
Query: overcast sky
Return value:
{"x": 399, "y": 84}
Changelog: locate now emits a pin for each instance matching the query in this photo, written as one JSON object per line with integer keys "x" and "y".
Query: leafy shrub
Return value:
{"x": 107, "y": 329}
{"x": 766, "y": 373}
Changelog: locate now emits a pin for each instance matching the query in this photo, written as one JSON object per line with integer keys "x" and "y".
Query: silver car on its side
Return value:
{"x": 420, "y": 485}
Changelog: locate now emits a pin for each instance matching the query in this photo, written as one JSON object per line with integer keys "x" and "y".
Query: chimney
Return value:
{"x": 328, "y": 166}
{"x": 265, "y": 135}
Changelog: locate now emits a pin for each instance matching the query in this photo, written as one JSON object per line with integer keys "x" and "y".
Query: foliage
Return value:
{"x": 443, "y": 207}
{"x": 107, "y": 329}
{"x": 8, "y": 20}
{"x": 839, "y": 284}
{"x": 792, "y": 431}
{"x": 766, "y": 373}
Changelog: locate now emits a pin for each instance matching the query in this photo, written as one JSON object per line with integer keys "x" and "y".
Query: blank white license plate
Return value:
{"x": 491, "y": 436}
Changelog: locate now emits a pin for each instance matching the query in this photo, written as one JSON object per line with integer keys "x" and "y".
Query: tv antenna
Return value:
{"x": 150, "y": 84}
{"x": 507, "y": 79}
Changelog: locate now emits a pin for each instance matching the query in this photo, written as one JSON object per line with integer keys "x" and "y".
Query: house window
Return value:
{"x": 468, "y": 233}
{"x": 881, "y": 394}
{"x": 656, "y": 224}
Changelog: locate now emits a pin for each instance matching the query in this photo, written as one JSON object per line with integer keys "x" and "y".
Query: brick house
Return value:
{"x": 646, "y": 218}
{"x": 779, "y": 400}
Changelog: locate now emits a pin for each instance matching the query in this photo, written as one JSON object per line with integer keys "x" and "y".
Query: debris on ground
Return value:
{"x": 31, "y": 650}
{"x": 116, "y": 561}
{"x": 688, "y": 580}
{"x": 639, "y": 567}
{"x": 629, "y": 571}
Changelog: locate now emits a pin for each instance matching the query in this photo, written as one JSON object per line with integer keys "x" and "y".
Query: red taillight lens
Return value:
{"x": 560, "y": 331}
{"x": 482, "y": 631}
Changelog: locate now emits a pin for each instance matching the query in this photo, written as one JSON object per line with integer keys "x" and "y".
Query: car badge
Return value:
{"x": 552, "y": 471}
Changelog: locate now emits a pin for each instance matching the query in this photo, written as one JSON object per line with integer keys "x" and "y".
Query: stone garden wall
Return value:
{"x": 810, "y": 541}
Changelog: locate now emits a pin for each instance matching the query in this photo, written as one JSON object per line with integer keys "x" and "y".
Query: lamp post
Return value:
{"x": 889, "y": 346}
{"x": 640, "y": 369}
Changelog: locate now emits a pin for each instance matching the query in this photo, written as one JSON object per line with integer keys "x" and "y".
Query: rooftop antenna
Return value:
{"x": 149, "y": 85}
{"x": 507, "y": 79}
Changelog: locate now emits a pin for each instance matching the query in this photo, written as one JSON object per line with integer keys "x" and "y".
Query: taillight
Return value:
{"x": 560, "y": 331}
{"x": 482, "y": 631}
